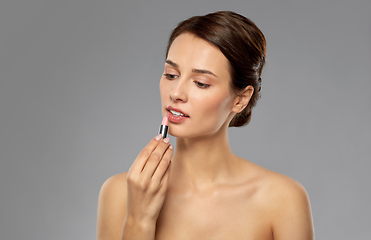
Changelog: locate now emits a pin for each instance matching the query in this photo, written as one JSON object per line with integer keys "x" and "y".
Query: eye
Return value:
{"x": 202, "y": 85}
{"x": 170, "y": 76}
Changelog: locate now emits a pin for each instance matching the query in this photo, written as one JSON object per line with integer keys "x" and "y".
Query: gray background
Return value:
{"x": 79, "y": 99}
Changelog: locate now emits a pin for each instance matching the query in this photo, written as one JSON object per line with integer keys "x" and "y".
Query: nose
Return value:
{"x": 179, "y": 91}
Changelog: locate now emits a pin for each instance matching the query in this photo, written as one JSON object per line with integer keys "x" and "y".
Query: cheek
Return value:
{"x": 217, "y": 101}
{"x": 216, "y": 106}
{"x": 164, "y": 89}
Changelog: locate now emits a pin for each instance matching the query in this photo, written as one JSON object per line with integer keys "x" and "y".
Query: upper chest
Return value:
{"x": 232, "y": 213}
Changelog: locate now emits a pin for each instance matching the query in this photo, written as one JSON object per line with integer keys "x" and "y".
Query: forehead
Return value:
{"x": 190, "y": 51}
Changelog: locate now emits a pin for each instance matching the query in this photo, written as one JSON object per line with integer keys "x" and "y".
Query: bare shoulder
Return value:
{"x": 288, "y": 205}
{"x": 283, "y": 188}
{"x": 115, "y": 184}
{"x": 111, "y": 207}
{"x": 113, "y": 191}
{"x": 273, "y": 185}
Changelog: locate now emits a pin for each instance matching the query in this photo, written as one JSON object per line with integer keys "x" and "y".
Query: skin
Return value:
{"x": 206, "y": 192}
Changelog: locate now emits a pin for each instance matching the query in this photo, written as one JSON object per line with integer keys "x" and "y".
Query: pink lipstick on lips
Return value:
{"x": 178, "y": 118}
{"x": 164, "y": 127}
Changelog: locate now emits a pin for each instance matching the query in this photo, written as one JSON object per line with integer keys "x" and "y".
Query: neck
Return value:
{"x": 203, "y": 161}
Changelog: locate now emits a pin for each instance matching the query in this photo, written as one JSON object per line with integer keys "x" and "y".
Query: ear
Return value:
{"x": 242, "y": 99}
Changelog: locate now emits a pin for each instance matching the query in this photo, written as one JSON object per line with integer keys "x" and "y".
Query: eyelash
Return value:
{"x": 199, "y": 84}
{"x": 170, "y": 76}
{"x": 202, "y": 85}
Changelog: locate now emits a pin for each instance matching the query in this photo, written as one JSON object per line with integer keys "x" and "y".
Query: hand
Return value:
{"x": 147, "y": 181}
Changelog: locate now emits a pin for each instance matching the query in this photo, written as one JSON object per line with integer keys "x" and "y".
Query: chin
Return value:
{"x": 182, "y": 133}
{"x": 194, "y": 133}
{"x": 177, "y": 133}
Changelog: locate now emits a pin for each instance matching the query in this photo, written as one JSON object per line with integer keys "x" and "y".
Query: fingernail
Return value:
{"x": 158, "y": 137}
{"x": 171, "y": 146}
{"x": 166, "y": 140}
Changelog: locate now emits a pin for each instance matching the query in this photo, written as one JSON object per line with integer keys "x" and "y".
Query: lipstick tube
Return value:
{"x": 164, "y": 127}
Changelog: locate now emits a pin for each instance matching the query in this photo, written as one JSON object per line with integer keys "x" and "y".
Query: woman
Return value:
{"x": 211, "y": 81}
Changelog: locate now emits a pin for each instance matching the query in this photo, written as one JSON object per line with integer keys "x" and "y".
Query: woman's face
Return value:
{"x": 196, "y": 82}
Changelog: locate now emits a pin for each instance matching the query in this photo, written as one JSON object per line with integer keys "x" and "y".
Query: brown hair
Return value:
{"x": 241, "y": 42}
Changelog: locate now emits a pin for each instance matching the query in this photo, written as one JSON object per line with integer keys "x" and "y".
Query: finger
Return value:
{"x": 155, "y": 158}
{"x": 163, "y": 166}
{"x": 165, "y": 180}
{"x": 143, "y": 156}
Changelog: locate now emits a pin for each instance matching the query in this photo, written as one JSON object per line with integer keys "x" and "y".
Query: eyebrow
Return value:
{"x": 171, "y": 63}
{"x": 203, "y": 71}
